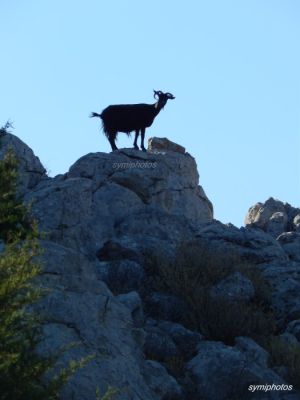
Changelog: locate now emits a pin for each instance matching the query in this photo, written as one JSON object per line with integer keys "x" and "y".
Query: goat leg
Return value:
{"x": 135, "y": 139}
{"x": 142, "y": 138}
{"x": 112, "y": 143}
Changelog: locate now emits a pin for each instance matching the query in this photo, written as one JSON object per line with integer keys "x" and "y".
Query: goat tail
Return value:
{"x": 93, "y": 114}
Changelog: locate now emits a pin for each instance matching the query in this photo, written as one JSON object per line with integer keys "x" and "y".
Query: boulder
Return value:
{"x": 289, "y": 338}
{"x": 164, "y": 144}
{"x": 81, "y": 310}
{"x": 165, "y": 201}
{"x": 184, "y": 340}
{"x": 273, "y": 216}
{"x": 290, "y": 242}
{"x": 247, "y": 244}
{"x": 159, "y": 345}
{"x": 294, "y": 328}
{"x": 165, "y": 306}
{"x": 252, "y": 350}
{"x": 284, "y": 282}
{"x": 163, "y": 385}
{"x": 133, "y": 301}
{"x": 225, "y": 372}
{"x": 296, "y": 223}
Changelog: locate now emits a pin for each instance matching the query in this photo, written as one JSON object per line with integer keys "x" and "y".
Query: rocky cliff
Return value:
{"x": 101, "y": 220}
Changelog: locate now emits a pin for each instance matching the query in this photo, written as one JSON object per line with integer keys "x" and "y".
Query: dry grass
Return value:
{"x": 191, "y": 275}
{"x": 288, "y": 355}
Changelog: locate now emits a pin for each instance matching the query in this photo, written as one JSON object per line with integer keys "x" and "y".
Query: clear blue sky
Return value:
{"x": 234, "y": 67}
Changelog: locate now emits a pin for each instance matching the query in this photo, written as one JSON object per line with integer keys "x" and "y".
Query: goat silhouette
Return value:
{"x": 131, "y": 117}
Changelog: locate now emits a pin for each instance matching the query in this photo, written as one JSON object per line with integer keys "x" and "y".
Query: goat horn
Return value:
{"x": 155, "y": 93}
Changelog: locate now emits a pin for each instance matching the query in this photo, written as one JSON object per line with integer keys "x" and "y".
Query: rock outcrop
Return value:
{"x": 100, "y": 221}
{"x": 230, "y": 378}
{"x": 281, "y": 221}
{"x": 274, "y": 217}
{"x": 129, "y": 197}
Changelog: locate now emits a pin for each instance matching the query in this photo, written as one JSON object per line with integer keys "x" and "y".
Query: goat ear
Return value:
{"x": 155, "y": 93}
{"x": 170, "y": 96}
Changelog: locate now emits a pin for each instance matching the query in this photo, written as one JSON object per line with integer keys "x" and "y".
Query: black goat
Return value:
{"x": 131, "y": 117}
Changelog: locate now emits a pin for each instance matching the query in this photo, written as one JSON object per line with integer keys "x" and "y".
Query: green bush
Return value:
{"x": 14, "y": 219}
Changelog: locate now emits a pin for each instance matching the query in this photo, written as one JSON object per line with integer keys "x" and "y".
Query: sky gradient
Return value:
{"x": 233, "y": 66}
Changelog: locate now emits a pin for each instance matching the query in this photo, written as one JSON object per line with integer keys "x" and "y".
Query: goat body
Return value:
{"x": 128, "y": 117}
{"x": 131, "y": 117}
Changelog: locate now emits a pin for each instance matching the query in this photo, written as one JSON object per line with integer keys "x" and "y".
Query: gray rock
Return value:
{"x": 289, "y": 339}
{"x": 185, "y": 340}
{"x": 30, "y": 168}
{"x": 296, "y": 223}
{"x": 73, "y": 223}
{"x": 235, "y": 287}
{"x": 284, "y": 373}
{"x": 294, "y": 328}
{"x": 165, "y": 202}
{"x": 251, "y": 245}
{"x": 171, "y": 175}
{"x": 80, "y": 309}
{"x": 273, "y": 216}
{"x": 252, "y": 350}
{"x": 277, "y": 223}
{"x": 161, "y": 229}
{"x": 159, "y": 345}
{"x": 65, "y": 268}
{"x": 261, "y": 251}
{"x": 163, "y": 385}
{"x": 165, "y": 306}
{"x": 133, "y": 301}
{"x": 224, "y": 372}
{"x": 166, "y": 341}
{"x": 284, "y": 281}
{"x": 290, "y": 241}
{"x": 96, "y": 328}
{"x": 164, "y": 144}
{"x": 260, "y": 213}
